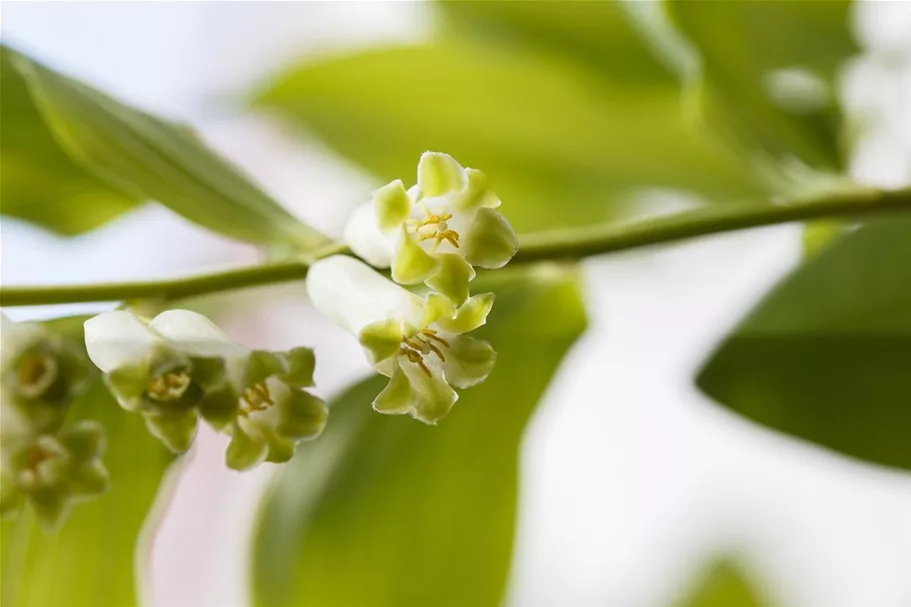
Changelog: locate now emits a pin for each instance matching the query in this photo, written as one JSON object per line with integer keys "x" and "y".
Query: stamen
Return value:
{"x": 431, "y": 334}
{"x": 256, "y": 398}
{"x": 415, "y": 348}
{"x": 36, "y": 373}
{"x": 439, "y": 229}
{"x": 168, "y": 387}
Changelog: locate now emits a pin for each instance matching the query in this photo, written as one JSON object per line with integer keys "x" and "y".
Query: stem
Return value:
{"x": 567, "y": 244}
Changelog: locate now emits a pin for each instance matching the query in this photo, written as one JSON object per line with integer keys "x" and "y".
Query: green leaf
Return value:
{"x": 92, "y": 558}
{"x": 40, "y": 183}
{"x": 745, "y": 45}
{"x": 723, "y": 585}
{"x": 386, "y": 511}
{"x": 563, "y": 145}
{"x": 826, "y": 355}
{"x": 149, "y": 158}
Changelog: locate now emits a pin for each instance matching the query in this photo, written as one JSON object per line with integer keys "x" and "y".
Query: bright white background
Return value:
{"x": 631, "y": 479}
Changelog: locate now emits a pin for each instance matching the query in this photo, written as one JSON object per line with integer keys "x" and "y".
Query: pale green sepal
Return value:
{"x": 84, "y": 441}
{"x": 176, "y": 431}
{"x": 439, "y": 174}
{"x": 490, "y": 242}
{"x": 471, "y": 315}
{"x": 468, "y": 361}
{"x": 301, "y": 365}
{"x": 280, "y": 450}
{"x": 208, "y": 372}
{"x": 51, "y": 506}
{"x": 381, "y": 339}
{"x": 436, "y": 307}
{"x": 128, "y": 384}
{"x": 219, "y": 407}
{"x": 411, "y": 263}
{"x": 452, "y": 278}
{"x": 263, "y": 364}
{"x": 391, "y": 205}
{"x": 477, "y": 194}
{"x": 89, "y": 480}
{"x": 431, "y": 396}
{"x": 305, "y": 416}
{"x": 245, "y": 452}
{"x": 395, "y": 398}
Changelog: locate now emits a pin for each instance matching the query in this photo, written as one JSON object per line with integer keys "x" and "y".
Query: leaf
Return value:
{"x": 147, "y": 157}
{"x": 826, "y": 355}
{"x": 723, "y": 585}
{"x": 386, "y": 511}
{"x": 745, "y": 47}
{"x": 91, "y": 560}
{"x": 39, "y": 183}
{"x": 563, "y": 144}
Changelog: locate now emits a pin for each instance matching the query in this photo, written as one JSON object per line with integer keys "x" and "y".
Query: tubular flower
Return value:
{"x": 51, "y": 471}
{"x": 436, "y": 231}
{"x": 417, "y": 342}
{"x": 40, "y": 374}
{"x": 263, "y": 402}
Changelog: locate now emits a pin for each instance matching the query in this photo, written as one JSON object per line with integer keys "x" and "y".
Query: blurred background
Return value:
{"x": 631, "y": 480}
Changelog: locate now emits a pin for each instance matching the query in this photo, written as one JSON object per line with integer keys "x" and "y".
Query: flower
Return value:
{"x": 52, "y": 471}
{"x": 180, "y": 367}
{"x": 436, "y": 231}
{"x": 416, "y": 341}
{"x": 40, "y": 374}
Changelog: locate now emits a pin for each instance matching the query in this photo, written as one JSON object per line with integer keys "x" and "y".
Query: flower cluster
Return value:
{"x": 41, "y": 461}
{"x": 435, "y": 233}
{"x": 180, "y": 367}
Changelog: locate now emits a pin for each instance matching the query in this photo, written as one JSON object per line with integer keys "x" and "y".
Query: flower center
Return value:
{"x": 255, "y": 398}
{"x": 32, "y": 476}
{"x": 424, "y": 343}
{"x": 36, "y": 374}
{"x": 168, "y": 387}
{"x": 434, "y": 227}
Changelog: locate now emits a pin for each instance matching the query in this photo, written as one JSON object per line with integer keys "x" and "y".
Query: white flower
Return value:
{"x": 180, "y": 366}
{"x": 436, "y": 231}
{"x": 415, "y": 341}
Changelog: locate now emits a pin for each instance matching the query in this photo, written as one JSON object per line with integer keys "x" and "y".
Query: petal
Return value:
{"x": 471, "y": 315}
{"x": 301, "y": 365}
{"x": 261, "y": 365}
{"x": 431, "y": 396}
{"x": 477, "y": 194}
{"x": 115, "y": 339}
{"x": 195, "y": 334}
{"x": 175, "y": 431}
{"x": 51, "y": 505}
{"x": 391, "y": 206}
{"x": 11, "y": 498}
{"x": 84, "y": 441}
{"x": 89, "y": 480}
{"x": 245, "y": 452}
{"x": 219, "y": 407}
{"x": 304, "y": 416}
{"x": 381, "y": 340}
{"x": 280, "y": 450}
{"x": 128, "y": 384}
{"x": 395, "y": 398}
{"x": 440, "y": 174}
{"x": 436, "y": 306}
{"x": 363, "y": 236}
{"x": 490, "y": 242}
{"x": 468, "y": 361}
{"x": 354, "y": 295}
{"x": 412, "y": 264}
{"x": 452, "y": 278}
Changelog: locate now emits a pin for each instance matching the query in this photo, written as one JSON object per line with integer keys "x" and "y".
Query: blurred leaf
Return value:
{"x": 826, "y": 355}
{"x": 39, "y": 183}
{"x": 724, "y": 585}
{"x": 561, "y": 143}
{"x": 91, "y": 560}
{"x": 385, "y": 511}
{"x": 752, "y": 49}
{"x": 597, "y": 33}
{"x": 149, "y": 158}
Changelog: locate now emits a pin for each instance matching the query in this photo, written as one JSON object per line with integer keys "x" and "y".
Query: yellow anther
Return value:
{"x": 438, "y": 229}
{"x": 256, "y": 398}
{"x": 168, "y": 386}
{"x": 431, "y": 334}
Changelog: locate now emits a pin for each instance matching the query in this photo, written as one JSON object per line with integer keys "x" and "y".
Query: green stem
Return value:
{"x": 568, "y": 244}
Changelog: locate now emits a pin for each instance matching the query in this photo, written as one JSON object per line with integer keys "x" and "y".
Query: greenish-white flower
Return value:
{"x": 436, "y": 231}
{"x": 40, "y": 373}
{"x": 180, "y": 367}
{"x": 417, "y": 342}
{"x": 51, "y": 471}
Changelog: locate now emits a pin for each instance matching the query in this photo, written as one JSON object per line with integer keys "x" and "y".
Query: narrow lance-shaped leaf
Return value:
{"x": 92, "y": 559}
{"x": 826, "y": 355}
{"x": 39, "y": 182}
{"x": 389, "y": 512}
{"x": 147, "y": 157}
